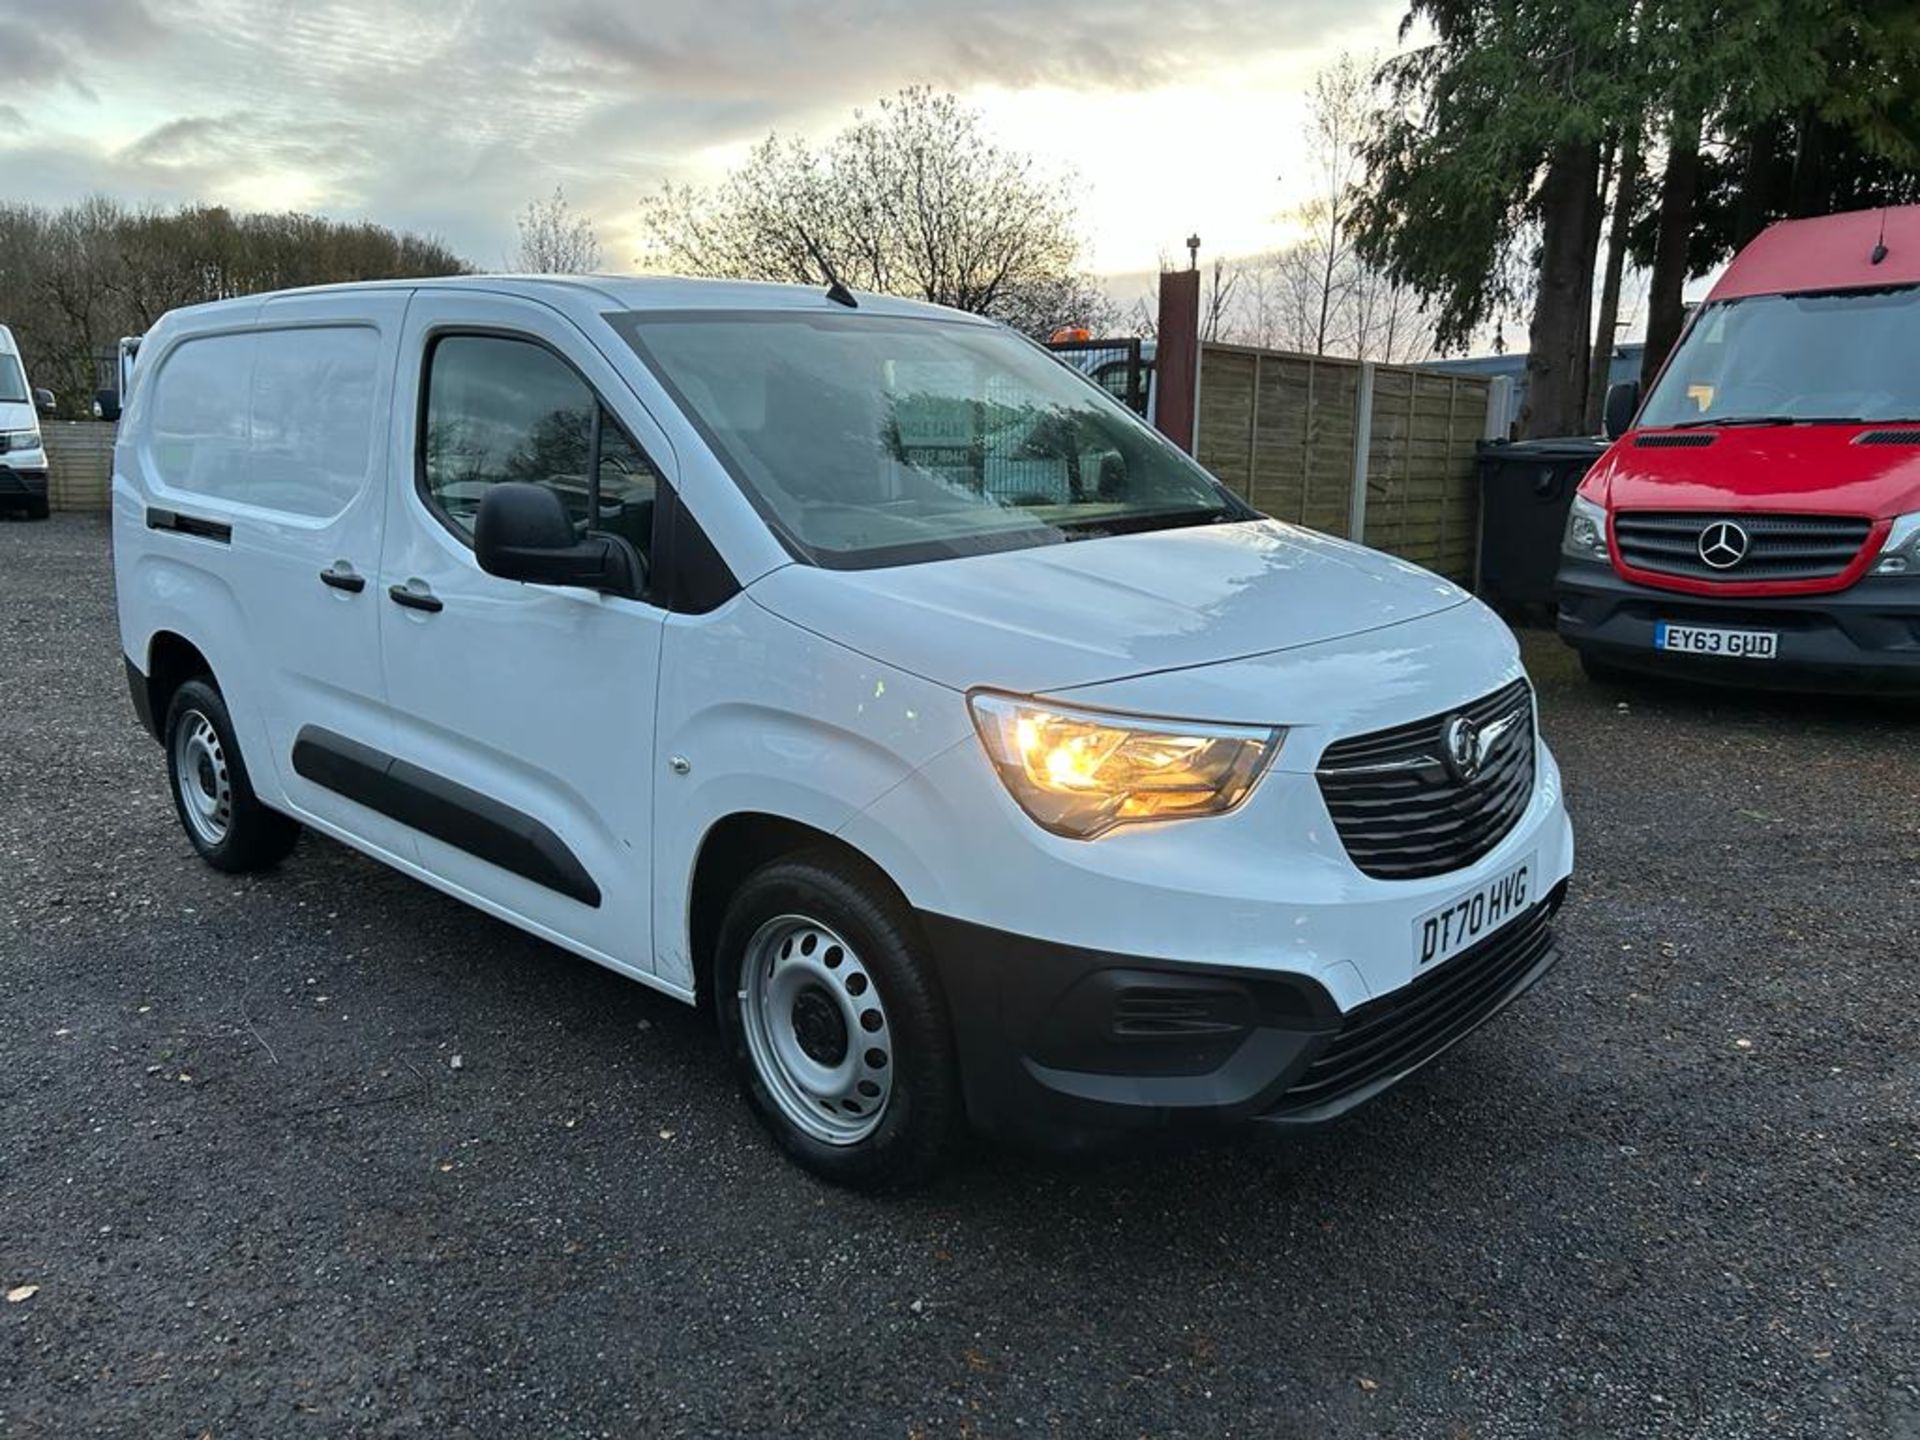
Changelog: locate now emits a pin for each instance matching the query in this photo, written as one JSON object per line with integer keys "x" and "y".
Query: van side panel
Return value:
{"x": 772, "y": 719}
{"x": 257, "y": 443}
{"x": 166, "y": 580}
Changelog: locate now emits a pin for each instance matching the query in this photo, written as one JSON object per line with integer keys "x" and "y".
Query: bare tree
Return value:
{"x": 1217, "y": 304}
{"x": 1387, "y": 321}
{"x": 1315, "y": 295}
{"x": 554, "y": 240}
{"x": 913, "y": 199}
{"x": 74, "y": 280}
{"x": 1337, "y": 119}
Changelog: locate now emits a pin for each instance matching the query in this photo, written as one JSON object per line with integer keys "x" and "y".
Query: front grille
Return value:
{"x": 1383, "y": 1039}
{"x": 1674, "y": 440}
{"x": 1403, "y": 813}
{"x": 1778, "y": 547}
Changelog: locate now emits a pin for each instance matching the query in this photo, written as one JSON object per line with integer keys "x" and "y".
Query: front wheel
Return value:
{"x": 835, "y": 1023}
{"x": 1605, "y": 672}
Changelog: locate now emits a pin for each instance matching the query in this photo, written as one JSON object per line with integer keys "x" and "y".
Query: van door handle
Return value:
{"x": 340, "y": 575}
{"x": 415, "y": 596}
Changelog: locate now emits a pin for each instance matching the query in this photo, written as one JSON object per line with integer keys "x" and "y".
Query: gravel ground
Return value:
{"x": 325, "y": 1153}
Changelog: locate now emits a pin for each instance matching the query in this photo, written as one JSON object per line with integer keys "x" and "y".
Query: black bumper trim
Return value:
{"x": 142, "y": 696}
{"x": 1386, "y": 1040}
{"x": 1052, "y": 1052}
{"x": 17, "y": 485}
{"x": 1865, "y": 638}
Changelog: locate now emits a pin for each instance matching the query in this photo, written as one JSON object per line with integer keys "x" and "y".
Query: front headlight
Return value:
{"x": 1079, "y": 773}
{"x": 1586, "y": 533}
{"x": 20, "y": 439}
{"x": 1901, "y": 554}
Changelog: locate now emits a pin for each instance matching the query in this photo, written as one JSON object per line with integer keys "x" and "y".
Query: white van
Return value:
{"x": 849, "y": 666}
{"x": 23, "y": 454}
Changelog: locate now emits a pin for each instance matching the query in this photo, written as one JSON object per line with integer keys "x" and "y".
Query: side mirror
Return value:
{"x": 1623, "y": 403}
{"x": 523, "y": 532}
{"x": 43, "y": 401}
{"x": 106, "y": 405}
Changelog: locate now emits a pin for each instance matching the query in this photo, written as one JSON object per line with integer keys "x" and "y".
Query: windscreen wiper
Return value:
{"x": 1730, "y": 422}
{"x": 1093, "y": 528}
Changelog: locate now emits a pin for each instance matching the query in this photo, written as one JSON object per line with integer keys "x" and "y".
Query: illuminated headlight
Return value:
{"x": 1586, "y": 533}
{"x": 1901, "y": 554}
{"x": 1080, "y": 773}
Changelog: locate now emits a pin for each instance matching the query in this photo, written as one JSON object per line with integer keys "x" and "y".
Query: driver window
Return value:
{"x": 626, "y": 486}
{"x": 504, "y": 409}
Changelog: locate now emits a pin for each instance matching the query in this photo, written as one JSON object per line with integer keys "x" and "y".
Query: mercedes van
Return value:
{"x": 1758, "y": 523}
{"x": 848, "y": 666}
{"x": 23, "y": 454}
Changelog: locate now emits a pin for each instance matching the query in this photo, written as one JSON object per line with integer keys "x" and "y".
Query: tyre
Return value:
{"x": 230, "y": 828}
{"x": 37, "y": 508}
{"x": 835, "y": 1023}
{"x": 1603, "y": 672}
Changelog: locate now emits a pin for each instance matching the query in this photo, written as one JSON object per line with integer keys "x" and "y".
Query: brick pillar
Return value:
{"x": 1176, "y": 359}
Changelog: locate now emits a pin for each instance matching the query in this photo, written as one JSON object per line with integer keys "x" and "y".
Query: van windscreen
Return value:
{"x": 13, "y": 384}
{"x": 869, "y": 440}
{"x": 1839, "y": 356}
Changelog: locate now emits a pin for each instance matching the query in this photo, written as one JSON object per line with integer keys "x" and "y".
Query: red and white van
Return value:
{"x": 1758, "y": 521}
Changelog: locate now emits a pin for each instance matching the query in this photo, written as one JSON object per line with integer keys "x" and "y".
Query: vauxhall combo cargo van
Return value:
{"x": 848, "y": 666}
{"x": 1759, "y": 522}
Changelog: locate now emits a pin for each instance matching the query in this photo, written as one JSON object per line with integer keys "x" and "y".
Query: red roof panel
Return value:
{"x": 1829, "y": 252}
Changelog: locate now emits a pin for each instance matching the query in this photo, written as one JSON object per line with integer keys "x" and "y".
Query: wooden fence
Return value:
{"x": 1379, "y": 453}
{"x": 79, "y": 463}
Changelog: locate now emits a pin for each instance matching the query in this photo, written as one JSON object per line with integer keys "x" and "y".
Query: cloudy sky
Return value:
{"x": 449, "y": 115}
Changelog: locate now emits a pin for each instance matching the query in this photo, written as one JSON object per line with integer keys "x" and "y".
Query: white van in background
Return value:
{"x": 850, "y": 667}
{"x": 110, "y": 401}
{"x": 23, "y": 454}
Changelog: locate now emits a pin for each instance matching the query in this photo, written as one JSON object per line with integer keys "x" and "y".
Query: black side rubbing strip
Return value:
{"x": 158, "y": 519}
{"x": 436, "y": 806}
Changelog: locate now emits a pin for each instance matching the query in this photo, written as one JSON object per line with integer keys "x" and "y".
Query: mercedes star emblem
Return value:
{"x": 1723, "y": 544}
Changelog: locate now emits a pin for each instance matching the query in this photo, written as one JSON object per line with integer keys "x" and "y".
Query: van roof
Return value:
{"x": 1829, "y": 252}
{"x": 618, "y": 292}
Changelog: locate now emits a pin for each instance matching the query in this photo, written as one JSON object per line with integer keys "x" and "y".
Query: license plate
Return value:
{"x": 1470, "y": 918}
{"x": 1732, "y": 644}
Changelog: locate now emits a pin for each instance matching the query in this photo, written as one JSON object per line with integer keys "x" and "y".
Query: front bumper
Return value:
{"x": 22, "y": 486}
{"x": 1265, "y": 900}
{"x": 1065, "y": 1046}
{"x": 1863, "y": 638}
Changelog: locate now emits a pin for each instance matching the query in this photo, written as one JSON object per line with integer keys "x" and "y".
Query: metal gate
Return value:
{"x": 1116, "y": 366}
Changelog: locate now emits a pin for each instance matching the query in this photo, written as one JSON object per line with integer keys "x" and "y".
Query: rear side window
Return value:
{"x": 281, "y": 419}
{"x": 312, "y": 417}
{"x": 199, "y": 437}
{"x": 502, "y": 409}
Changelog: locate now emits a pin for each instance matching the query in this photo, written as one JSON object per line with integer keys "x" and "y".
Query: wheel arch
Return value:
{"x": 732, "y": 848}
{"x": 172, "y": 660}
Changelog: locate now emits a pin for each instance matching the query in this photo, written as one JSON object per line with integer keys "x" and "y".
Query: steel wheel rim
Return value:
{"x": 202, "y": 778}
{"x": 816, "y": 1029}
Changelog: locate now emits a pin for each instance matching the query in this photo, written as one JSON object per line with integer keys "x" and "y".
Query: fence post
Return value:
{"x": 1362, "y": 448}
{"x": 1499, "y": 402}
